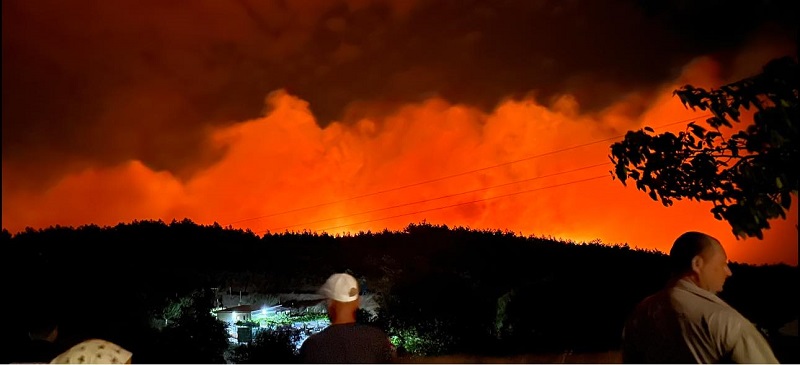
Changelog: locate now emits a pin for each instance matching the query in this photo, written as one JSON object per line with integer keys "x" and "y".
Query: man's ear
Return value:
{"x": 697, "y": 263}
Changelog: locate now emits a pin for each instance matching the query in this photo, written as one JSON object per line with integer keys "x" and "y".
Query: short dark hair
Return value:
{"x": 43, "y": 317}
{"x": 686, "y": 247}
{"x": 41, "y": 329}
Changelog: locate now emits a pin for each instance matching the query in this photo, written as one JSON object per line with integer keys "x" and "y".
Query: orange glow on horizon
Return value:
{"x": 525, "y": 167}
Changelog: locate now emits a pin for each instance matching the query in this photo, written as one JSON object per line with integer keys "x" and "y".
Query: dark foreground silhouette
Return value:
{"x": 147, "y": 286}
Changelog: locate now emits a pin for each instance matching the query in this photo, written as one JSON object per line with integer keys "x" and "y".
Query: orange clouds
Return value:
{"x": 524, "y": 166}
{"x": 102, "y": 196}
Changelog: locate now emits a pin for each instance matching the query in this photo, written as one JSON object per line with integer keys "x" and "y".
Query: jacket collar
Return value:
{"x": 691, "y": 287}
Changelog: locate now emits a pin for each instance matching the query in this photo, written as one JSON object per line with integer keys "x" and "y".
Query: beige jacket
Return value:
{"x": 687, "y": 324}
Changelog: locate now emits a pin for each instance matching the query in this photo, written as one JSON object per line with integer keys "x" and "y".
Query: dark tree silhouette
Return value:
{"x": 268, "y": 347}
{"x": 195, "y": 336}
{"x": 441, "y": 290}
{"x": 750, "y": 176}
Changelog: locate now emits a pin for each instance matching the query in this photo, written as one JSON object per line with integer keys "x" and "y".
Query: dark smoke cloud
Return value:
{"x": 94, "y": 82}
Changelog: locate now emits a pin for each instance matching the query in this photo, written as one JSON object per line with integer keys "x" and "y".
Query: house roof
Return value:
{"x": 244, "y": 308}
{"x": 301, "y": 304}
{"x": 239, "y": 308}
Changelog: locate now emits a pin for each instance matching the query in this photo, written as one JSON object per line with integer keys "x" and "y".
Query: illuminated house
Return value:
{"x": 246, "y": 313}
{"x": 304, "y": 311}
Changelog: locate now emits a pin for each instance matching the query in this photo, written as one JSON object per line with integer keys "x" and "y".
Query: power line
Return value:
{"x": 463, "y": 203}
{"x": 440, "y": 197}
{"x": 457, "y": 174}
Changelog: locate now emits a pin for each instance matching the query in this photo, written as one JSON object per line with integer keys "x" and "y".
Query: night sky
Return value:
{"x": 486, "y": 114}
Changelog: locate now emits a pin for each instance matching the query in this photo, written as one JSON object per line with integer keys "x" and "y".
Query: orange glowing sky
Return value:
{"x": 533, "y": 162}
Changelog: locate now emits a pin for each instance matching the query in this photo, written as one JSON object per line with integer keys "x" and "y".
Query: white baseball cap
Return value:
{"x": 340, "y": 287}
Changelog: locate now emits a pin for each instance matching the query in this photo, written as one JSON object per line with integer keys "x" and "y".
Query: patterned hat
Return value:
{"x": 94, "y": 351}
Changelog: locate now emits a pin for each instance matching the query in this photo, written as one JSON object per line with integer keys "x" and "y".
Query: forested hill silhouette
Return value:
{"x": 464, "y": 290}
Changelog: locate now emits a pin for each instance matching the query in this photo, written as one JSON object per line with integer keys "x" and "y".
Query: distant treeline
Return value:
{"x": 442, "y": 290}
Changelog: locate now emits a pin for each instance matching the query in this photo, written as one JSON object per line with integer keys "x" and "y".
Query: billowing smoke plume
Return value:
{"x": 524, "y": 166}
{"x": 377, "y": 113}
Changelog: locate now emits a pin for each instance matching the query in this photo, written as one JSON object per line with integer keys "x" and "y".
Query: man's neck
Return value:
{"x": 694, "y": 282}
{"x": 691, "y": 278}
{"x": 343, "y": 320}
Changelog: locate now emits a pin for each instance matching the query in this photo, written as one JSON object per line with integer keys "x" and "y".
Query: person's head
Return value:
{"x": 94, "y": 351}
{"x": 43, "y": 328}
{"x": 342, "y": 294}
{"x": 700, "y": 258}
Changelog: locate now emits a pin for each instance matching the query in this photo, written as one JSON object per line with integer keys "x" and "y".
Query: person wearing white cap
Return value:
{"x": 346, "y": 341}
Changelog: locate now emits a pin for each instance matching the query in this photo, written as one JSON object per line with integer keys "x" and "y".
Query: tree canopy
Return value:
{"x": 440, "y": 290}
{"x": 750, "y": 176}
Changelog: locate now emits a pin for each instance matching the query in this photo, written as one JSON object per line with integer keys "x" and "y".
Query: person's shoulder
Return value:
{"x": 369, "y": 328}
{"x": 728, "y": 319}
{"x": 730, "y": 326}
{"x": 312, "y": 340}
{"x": 657, "y": 299}
{"x": 378, "y": 335}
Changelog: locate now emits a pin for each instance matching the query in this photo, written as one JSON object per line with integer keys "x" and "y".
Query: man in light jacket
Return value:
{"x": 687, "y": 322}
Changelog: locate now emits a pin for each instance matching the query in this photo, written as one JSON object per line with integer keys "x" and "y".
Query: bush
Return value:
{"x": 269, "y": 346}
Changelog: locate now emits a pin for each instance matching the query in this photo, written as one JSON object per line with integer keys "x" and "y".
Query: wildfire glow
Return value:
{"x": 526, "y": 167}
